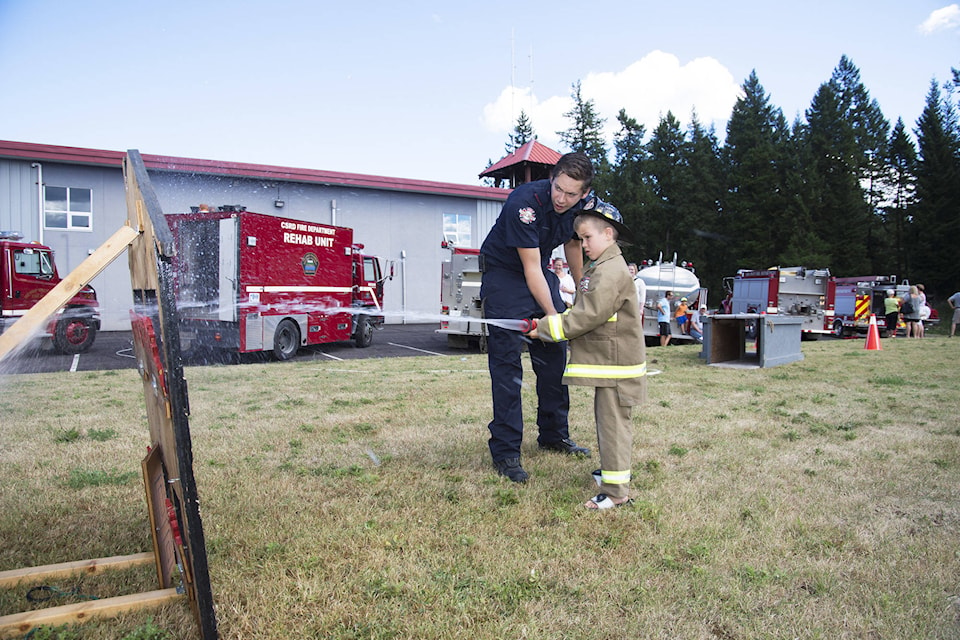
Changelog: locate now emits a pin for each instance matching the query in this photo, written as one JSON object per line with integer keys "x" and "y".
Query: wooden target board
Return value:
{"x": 168, "y": 471}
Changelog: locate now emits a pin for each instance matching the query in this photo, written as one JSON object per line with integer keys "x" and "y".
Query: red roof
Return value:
{"x": 531, "y": 151}
{"x": 99, "y": 157}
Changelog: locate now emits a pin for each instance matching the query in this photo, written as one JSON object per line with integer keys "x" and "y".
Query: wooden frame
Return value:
{"x": 170, "y": 488}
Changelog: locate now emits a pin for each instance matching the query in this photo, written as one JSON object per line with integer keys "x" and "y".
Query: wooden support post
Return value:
{"x": 18, "y": 624}
{"x": 53, "y": 571}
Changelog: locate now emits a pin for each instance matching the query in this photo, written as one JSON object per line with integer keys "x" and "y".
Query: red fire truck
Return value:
{"x": 27, "y": 273}
{"x": 858, "y": 298}
{"x": 252, "y": 282}
{"x": 791, "y": 291}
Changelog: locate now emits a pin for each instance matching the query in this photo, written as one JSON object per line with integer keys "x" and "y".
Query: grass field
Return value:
{"x": 819, "y": 499}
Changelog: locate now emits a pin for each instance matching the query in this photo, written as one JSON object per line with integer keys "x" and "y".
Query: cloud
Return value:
{"x": 646, "y": 89}
{"x": 943, "y": 19}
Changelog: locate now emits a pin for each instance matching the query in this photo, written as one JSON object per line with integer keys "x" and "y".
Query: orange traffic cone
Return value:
{"x": 873, "y": 335}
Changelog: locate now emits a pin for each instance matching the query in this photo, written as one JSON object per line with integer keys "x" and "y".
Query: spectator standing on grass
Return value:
{"x": 954, "y": 302}
{"x": 681, "y": 315}
{"x": 663, "y": 317}
{"x": 607, "y": 349}
{"x": 640, "y": 286}
{"x": 567, "y": 286}
{"x": 923, "y": 308}
{"x": 891, "y": 310}
{"x": 518, "y": 283}
{"x": 910, "y": 308}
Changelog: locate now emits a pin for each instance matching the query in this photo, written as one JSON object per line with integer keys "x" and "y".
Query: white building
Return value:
{"x": 73, "y": 199}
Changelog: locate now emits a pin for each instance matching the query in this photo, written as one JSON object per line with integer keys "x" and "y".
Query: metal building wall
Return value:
{"x": 18, "y": 198}
{"x": 404, "y": 229}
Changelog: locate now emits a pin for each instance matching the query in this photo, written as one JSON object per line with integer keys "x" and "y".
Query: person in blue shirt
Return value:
{"x": 663, "y": 317}
{"x": 517, "y": 284}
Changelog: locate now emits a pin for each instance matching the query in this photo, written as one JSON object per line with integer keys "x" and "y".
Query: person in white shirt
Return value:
{"x": 567, "y": 286}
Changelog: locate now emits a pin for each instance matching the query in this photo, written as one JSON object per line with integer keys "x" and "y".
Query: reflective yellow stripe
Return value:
{"x": 555, "y": 327}
{"x": 615, "y": 477}
{"x": 605, "y": 370}
{"x": 613, "y": 318}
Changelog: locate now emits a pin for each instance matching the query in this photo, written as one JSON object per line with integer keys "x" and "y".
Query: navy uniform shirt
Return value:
{"x": 527, "y": 221}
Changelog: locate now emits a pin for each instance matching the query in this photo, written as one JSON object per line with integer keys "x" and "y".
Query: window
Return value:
{"x": 67, "y": 208}
{"x": 32, "y": 262}
{"x": 457, "y": 229}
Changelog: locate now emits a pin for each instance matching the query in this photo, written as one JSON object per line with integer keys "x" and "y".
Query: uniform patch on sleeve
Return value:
{"x": 527, "y": 215}
{"x": 585, "y": 284}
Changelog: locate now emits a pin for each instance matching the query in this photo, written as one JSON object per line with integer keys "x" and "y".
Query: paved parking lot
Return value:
{"x": 114, "y": 350}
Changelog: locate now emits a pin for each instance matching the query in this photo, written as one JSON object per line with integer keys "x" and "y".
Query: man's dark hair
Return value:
{"x": 575, "y": 165}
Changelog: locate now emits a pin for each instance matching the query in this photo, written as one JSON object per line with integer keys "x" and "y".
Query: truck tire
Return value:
{"x": 363, "y": 337}
{"x": 838, "y": 329}
{"x": 286, "y": 341}
{"x": 74, "y": 335}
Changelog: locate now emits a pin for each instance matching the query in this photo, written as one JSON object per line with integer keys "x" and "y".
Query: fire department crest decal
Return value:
{"x": 584, "y": 284}
{"x": 310, "y": 264}
{"x": 527, "y": 215}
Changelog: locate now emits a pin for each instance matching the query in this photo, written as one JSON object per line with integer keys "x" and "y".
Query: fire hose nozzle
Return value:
{"x": 528, "y": 324}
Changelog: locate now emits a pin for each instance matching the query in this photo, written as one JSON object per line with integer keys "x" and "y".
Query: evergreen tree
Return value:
{"x": 702, "y": 192}
{"x": 901, "y": 163}
{"x": 754, "y": 198}
{"x": 870, "y": 131}
{"x": 838, "y": 208}
{"x": 667, "y": 221}
{"x": 522, "y": 133}
{"x": 628, "y": 188}
{"x": 936, "y": 220}
{"x": 586, "y": 134}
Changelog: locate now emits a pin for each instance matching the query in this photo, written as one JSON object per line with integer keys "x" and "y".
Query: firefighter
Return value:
{"x": 517, "y": 283}
{"x": 607, "y": 348}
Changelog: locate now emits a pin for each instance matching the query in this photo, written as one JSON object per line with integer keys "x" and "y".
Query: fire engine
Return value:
{"x": 858, "y": 297}
{"x": 677, "y": 277}
{"x": 27, "y": 274}
{"x": 791, "y": 291}
{"x": 460, "y": 298}
{"x": 249, "y": 282}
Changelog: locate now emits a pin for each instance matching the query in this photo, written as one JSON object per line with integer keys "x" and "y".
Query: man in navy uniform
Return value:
{"x": 517, "y": 283}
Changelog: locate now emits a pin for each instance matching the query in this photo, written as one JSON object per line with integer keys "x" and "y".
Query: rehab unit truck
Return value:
{"x": 28, "y": 274}
{"x": 789, "y": 291}
{"x": 249, "y": 282}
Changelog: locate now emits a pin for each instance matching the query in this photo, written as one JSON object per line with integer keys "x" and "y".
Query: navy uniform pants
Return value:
{"x": 507, "y": 297}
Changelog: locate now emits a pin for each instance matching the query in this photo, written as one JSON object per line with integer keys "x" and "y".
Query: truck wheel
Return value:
{"x": 363, "y": 337}
{"x": 838, "y": 329}
{"x": 286, "y": 340}
{"x": 74, "y": 335}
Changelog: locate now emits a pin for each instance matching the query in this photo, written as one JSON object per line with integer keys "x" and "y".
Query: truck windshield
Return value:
{"x": 371, "y": 272}
{"x": 33, "y": 263}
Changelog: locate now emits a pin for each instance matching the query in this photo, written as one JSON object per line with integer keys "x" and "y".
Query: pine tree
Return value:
{"x": 936, "y": 220}
{"x": 522, "y": 133}
{"x": 628, "y": 188}
{"x": 755, "y": 198}
{"x": 586, "y": 132}
{"x": 871, "y": 132}
{"x": 900, "y": 178}
{"x": 667, "y": 219}
{"x": 703, "y": 191}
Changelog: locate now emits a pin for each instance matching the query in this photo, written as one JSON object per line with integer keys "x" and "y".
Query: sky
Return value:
{"x": 427, "y": 89}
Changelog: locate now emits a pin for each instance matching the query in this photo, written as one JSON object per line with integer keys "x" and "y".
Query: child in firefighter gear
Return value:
{"x": 607, "y": 349}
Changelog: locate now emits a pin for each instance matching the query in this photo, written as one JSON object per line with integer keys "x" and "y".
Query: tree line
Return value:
{"x": 839, "y": 188}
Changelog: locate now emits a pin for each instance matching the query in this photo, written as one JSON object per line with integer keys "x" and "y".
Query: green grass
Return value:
{"x": 814, "y": 500}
